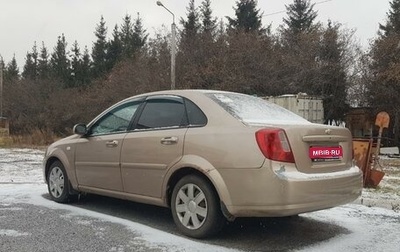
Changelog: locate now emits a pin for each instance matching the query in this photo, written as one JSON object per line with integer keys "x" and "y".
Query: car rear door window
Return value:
{"x": 195, "y": 115}
{"x": 162, "y": 113}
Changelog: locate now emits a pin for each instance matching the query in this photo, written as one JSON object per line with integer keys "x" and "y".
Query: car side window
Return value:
{"x": 162, "y": 113}
{"x": 116, "y": 120}
{"x": 195, "y": 115}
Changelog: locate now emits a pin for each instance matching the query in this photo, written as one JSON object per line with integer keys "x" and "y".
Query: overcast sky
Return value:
{"x": 24, "y": 21}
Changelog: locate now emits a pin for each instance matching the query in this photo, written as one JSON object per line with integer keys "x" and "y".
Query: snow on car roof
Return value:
{"x": 254, "y": 110}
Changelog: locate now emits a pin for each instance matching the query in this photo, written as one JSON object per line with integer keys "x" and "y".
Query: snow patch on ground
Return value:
{"x": 362, "y": 221}
{"x": 389, "y": 151}
{"x": 14, "y": 233}
{"x": 20, "y": 166}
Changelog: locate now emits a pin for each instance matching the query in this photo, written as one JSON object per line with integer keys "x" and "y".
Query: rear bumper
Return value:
{"x": 266, "y": 192}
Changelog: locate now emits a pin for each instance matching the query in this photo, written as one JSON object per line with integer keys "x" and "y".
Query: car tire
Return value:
{"x": 58, "y": 183}
{"x": 196, "y": 208}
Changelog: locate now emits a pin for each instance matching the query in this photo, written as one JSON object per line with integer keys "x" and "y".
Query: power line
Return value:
{"x": 279, "y": 12}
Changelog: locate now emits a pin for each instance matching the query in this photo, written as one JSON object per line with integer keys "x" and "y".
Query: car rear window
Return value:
{"x": 254, "y": 110}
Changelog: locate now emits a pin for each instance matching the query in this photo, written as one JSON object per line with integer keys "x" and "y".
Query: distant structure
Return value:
{"x": 4, "y": 127}
{"x": 360, "y": 122}
{"x": 306, "y": 106}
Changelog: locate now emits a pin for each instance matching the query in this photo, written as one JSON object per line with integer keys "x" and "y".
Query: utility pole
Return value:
{"x": 173, "y": 44}
{"x": 1, "y": 87}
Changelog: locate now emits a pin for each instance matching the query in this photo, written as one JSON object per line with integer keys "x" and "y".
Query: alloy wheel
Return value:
{"x": 191, "y": 206}
{"x": 56, "y": 182}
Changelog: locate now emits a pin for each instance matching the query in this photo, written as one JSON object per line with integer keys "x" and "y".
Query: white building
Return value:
{"x": 306, "y": 106}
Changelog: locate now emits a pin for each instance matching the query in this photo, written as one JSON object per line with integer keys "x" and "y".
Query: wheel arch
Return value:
{"x": 178, "y": 175}
{"x": 57, "y": 155}
{"x": 48, "y": 163}
{"x": 200, "y": 167}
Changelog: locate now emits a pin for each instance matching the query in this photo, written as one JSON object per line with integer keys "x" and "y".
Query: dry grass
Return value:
{"x": 5, "y": 141}
{"x": 37, "y": 140}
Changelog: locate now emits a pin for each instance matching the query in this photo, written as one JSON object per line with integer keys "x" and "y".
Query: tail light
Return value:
{"x": 274, "y": 145}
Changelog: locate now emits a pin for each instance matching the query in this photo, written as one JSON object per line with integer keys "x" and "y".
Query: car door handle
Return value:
{"x": 169, "y": 140}
{"x": 112, "y": 144}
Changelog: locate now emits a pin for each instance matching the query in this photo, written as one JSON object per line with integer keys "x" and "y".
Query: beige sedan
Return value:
{"x": 210, "y": 156}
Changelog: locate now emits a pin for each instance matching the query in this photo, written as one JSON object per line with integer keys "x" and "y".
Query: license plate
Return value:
{"x": 325, "y": 152}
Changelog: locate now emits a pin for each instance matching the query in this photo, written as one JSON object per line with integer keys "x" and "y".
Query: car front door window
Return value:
{"x": 116, "y": 120}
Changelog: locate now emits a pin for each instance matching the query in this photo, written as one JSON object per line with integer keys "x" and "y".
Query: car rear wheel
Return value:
{"x": 195, "y": 207}
{"x": 58, "y": 183}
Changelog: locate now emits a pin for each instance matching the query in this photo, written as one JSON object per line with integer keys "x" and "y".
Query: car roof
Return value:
{"x": 183, "y": 92}
{"x": 178, "y": 92}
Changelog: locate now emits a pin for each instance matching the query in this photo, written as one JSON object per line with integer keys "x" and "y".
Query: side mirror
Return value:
{"x": 80, "y": 129}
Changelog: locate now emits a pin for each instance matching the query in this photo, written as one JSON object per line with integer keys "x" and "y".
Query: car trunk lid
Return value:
{"x": 320, "y": 148}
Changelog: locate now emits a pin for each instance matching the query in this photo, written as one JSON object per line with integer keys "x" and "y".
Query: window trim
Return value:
{"x": 167, "y": 97}
{"x": 139, "y": 101}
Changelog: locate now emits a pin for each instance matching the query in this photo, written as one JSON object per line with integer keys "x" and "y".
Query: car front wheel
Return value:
{"x": 57, "y": 183}
{"x": 195, "y": 207}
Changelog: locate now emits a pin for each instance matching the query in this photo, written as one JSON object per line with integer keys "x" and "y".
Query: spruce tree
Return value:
{"x": 76, "y": 66}
{"x": 189, "y": 54}
{"x": 43, "y": 63}
{"x": 31, "y": 64}
{"x": 59, "y": 62}
{"x": 126, "y": 36}
{"x": 191, "y": 25}
{"x": 333, "y": 82}
{"x": 114, "y": 49}
{"x": 384, "y": 68}
{"x": 29, "y": 68}
{"x": 392, "y": 25}
{"x": 301, "y": 17}
{"x": 11, "y": 72}
{"x": 99, "y": 50}
{"x": 80, "y": 66}
{"x": 139, "y": 33}
{"x": 300, "y": 41}
{"x": 248, "y": 17}
{"x": 209, "y": 23}
{"x": 221, "y": 31}
{"x": 209, "y": 50}
{"x": 35, "y": 57}
{"x": 85, "y": 67}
